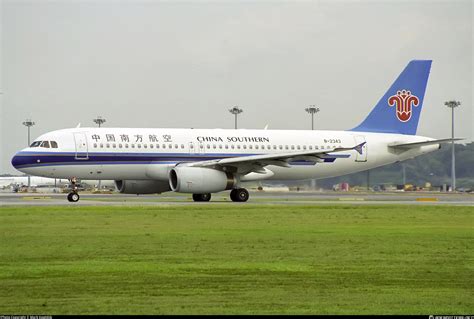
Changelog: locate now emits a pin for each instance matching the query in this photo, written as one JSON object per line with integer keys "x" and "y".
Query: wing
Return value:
{"x": 256, "y": 163}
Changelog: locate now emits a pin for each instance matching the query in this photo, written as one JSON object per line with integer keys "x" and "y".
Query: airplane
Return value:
{"x": 206, "y": 161}
{"x": 19, "y": 181}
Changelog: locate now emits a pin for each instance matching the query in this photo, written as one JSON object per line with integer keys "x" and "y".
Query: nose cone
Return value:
{"x": 17, "y": 161}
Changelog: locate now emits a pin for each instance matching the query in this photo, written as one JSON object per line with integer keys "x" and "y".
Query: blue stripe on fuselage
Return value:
{"x": 36, "y": 159}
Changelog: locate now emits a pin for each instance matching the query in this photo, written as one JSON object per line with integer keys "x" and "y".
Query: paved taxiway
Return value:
{"x": 256, "y": 197}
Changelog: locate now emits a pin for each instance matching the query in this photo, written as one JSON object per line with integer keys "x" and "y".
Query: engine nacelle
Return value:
{"x": 198, "y": 180}
{"x": 142, "y": 186}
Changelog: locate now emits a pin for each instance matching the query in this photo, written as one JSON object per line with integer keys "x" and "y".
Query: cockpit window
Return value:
{"x": 45, "y": 144}
{"x": 35, "y": 144}
{"x": 54, "y": 144}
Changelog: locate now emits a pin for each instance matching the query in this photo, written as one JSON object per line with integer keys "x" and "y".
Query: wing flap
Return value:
{"x": 279, "y": 159}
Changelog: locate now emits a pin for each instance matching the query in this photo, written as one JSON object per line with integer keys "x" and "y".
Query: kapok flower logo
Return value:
{"x": 404, "y": 101}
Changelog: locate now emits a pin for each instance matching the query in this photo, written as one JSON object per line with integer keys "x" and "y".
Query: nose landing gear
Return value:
{"x": 73, "y": 196}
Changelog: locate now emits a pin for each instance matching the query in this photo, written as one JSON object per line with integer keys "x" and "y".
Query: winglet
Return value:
{"x": 358, "y": 148}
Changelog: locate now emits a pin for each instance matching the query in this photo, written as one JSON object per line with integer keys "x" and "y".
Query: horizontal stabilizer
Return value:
{"x": 418, "y": 144}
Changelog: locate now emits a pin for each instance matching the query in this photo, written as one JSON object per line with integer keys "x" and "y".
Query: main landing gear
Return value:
{"x": 239, "y": 195}
{"x": 73, "y": 196}
{"x": 202, "y": 197}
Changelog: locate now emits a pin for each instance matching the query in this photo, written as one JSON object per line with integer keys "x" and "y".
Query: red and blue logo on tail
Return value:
{"x": 398, "y": 111}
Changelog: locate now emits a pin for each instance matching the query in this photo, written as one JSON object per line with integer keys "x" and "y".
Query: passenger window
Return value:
{"x": 101, "y": 145}
{"x": 107, "y": 145}
{"x": 220, "y": 146}
{"x": 274, "y": 147}
{"x": 286, "y": 147}
{"x": 164, "y": 145}
{"x": 256, "y": 147}
{"x": 232, "y": 146}
{"x": 316, "y": 147}
{"x": 55, "y": 145}
{"x": 145, "y": 145}
{"x": 182, "y": 145}
{"x": 304, "y": 147}
{"x": 214, "y": 146}
{"x": 175, "y": 145}
{"x": 280, "y": 147}
{"x": 311, "y": 147}
{"x": 245, "y": 147}
{"x": 132, "y": 145}
{"x": 170, "y": 145}
{"x": 238, "y": 146}
{"x": 139, "y": 145}
{"x": 208, "y": 146}
{"x": 151, "y": 145}
{"x": 298, "y": 147}
{"x": 292, "y": 147}
{"x": 95, "y": 145}
{"x": 120, "y": 145}
{"x": 226, "y": 146}
{"x": 126, "y": 145}
{"x": 114, "y": 145}
{"x": 269, "y": 147}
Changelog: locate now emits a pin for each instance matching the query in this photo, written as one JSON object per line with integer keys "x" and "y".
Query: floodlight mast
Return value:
{"x": 235, "y": 111}
{"x": 452, "y": 104}
{"x": 312, "y": 109}
{"x": 29, "y": 123}
{"x": 99, "y": 120}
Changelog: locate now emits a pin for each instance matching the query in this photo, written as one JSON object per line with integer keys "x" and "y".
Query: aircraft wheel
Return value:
{"x": 73, "y": 197}
{"x": 202, "y": 197}
{"x": 239, "y": 195}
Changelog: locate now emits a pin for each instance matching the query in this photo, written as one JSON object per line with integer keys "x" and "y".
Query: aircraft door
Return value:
{"x": 361, "y": 156}
{"x": 82, "y": 152}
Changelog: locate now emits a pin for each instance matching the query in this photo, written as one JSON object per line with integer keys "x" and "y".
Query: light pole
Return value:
{"x": 452, "y": 104}
{"x": 29, "y": 123}
{"x": 404, "y": 176}
{"x": 236, "y": 111}
{"x": 99, "y": 120}
{"x": 312, "y": 109}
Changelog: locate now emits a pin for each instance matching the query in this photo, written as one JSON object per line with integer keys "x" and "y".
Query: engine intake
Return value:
{"x": 199, "y": 180}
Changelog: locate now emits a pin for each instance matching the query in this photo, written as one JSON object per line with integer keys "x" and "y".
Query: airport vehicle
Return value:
{"x": 205, "y": 161}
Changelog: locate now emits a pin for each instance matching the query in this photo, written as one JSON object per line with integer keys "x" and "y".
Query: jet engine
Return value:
{"x": 142, "y": 186}
{"x": 199, "y": 180}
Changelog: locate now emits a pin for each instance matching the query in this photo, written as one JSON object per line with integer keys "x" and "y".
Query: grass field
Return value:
{"x": 237, "y": 259}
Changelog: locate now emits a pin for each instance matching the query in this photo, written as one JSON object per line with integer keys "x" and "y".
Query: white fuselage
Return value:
{"x": 149, "y": 154}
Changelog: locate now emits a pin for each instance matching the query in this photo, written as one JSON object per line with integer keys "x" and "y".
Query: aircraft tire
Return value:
{"x": 239, "y": 195}
{"x": 202, "y": 197}
{"x": 73, "y": 197}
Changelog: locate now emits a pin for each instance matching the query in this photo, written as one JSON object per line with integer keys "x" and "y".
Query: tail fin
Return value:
{"x": 398, "y": 111}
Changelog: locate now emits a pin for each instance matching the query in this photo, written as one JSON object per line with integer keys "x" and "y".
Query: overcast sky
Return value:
{"x": 185, "y": 63}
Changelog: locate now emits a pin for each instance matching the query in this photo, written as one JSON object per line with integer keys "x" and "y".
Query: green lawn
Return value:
{"x": 237, "y": 259}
